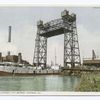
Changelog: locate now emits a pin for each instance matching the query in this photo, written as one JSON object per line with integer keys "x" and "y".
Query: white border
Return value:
{"x": 51, "y": 2}
{"x": 46, "y": 93}
{"x": 59, "y": 3}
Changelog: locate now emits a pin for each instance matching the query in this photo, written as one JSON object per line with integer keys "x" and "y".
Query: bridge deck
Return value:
{"x": 53, "y": 33}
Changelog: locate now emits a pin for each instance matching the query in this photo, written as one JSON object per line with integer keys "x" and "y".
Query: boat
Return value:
{"x": 12, "y": 69}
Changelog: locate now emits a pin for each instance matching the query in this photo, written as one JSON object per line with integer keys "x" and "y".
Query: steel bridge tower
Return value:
{"x": 65, "y": 25}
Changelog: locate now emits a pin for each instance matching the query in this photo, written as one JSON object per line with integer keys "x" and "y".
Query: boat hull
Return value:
{"x": 2, "y": 73}
{"x": 25, "y": 71}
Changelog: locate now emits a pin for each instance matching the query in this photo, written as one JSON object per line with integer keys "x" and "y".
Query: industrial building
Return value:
{"x": 13, "y": 58}
{"x": 93, "y": 61}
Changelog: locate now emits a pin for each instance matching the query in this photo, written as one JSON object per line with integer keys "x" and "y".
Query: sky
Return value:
{"x": 24, "y": 28}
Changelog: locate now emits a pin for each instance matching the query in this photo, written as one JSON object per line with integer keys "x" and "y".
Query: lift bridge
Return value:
{"x": 65, "y": 25}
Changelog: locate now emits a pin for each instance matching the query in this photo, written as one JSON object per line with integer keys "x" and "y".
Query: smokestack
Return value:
{"x": 9, "y": 37}
{"x": 19, "y": 58}
{"x": 0, "y": 57}
{"x": 93, "y": 55}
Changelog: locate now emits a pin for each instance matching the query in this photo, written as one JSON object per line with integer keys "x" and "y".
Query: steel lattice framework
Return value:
{"x": 65, "y": 25}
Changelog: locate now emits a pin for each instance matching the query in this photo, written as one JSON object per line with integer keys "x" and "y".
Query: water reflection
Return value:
{"x": 59, "y": 83}
{"x": 39, "y": 83}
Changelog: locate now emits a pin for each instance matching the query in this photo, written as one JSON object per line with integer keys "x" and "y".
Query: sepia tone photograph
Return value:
{"x": 49, "y": 49}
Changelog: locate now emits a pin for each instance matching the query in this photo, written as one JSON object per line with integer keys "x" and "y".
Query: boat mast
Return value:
{"x": 55, "y": 57}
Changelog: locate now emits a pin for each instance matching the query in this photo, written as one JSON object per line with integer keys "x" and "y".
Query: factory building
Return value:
{"x": 93, "y": 61}
{"x": 13, "y": 58}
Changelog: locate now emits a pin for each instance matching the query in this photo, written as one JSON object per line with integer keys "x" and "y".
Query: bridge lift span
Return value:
{"x": 65, "y": 25}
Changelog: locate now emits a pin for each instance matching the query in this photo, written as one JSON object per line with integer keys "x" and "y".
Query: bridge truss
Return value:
{"x": 65, "y": 25}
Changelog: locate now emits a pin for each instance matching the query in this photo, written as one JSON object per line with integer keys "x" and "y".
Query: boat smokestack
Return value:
{"x": 9, "y": 37}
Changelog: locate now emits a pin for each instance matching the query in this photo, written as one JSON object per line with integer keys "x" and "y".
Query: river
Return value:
{"x": 39, "y": 83}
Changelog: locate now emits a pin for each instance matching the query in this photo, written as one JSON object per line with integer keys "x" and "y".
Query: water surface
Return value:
{"x": 39, "y": 83}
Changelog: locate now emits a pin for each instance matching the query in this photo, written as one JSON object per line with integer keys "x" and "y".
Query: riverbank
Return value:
{"x": 90, "y": 82}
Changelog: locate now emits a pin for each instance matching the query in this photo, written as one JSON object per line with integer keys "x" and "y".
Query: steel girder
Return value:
{"x": 40, "y": 53}
{"x": 65, "y": 25}
{"x": 71, "y": 46}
